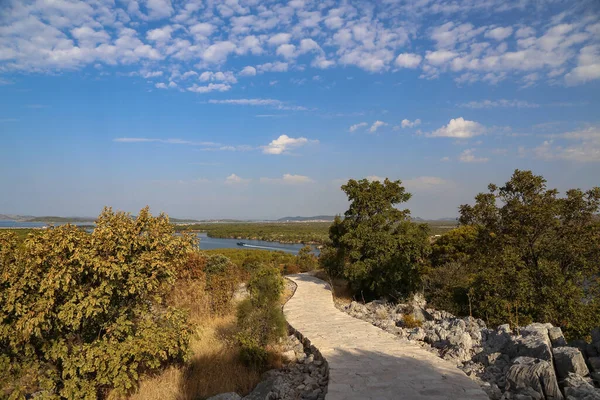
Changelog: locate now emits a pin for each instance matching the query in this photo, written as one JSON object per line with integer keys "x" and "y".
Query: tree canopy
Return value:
{"x": 375, "y": 246}
{"x": 535, "y": 255}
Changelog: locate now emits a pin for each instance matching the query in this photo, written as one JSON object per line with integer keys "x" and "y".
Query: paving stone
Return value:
{"x": 366, "y": 362}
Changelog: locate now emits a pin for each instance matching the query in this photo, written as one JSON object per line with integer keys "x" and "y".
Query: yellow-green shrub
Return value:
{"x": 88, "y": 311}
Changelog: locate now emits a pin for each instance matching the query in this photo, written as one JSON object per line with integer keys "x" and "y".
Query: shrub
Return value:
{"x": 410, "y": 322}
{"x": 259, "y": 318}
{"x": 221, "y": 282}
{"x": 82, "y": 313}
{"x": 306, "y": 260}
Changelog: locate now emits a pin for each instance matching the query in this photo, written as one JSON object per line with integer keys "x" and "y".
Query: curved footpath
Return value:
{"x": 366, "y": 362}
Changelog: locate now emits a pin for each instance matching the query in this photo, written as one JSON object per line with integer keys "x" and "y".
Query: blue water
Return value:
{"x": 207, "y": 243}
{"x": 16, "y": 224}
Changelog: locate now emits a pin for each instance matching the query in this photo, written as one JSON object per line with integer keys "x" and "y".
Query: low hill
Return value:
{"x": 303, "y": 219}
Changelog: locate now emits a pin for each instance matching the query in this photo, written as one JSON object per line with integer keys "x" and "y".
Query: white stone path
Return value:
{"x": 366, "y": 362}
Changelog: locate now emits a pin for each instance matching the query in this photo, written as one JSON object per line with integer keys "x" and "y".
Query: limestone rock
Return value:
{"x": 556, "y": 337}
{"x": 533, "y": 377}
{"x": 595, "y": 363}
{"x": 569, "y": 360}
{"x": 579, "y": 388}
{"x": 226, "y": 396}
{"x": 534, "y": 345}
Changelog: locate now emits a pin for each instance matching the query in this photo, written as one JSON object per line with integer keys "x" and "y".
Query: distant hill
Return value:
{"x": 304, "y": 219}
{"x": 12, "y": 217}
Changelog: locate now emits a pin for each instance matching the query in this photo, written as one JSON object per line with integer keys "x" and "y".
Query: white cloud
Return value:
{"x": 502, "y": 103}
{"x": 211, "y": 87}
{"x": 283, "y": 144}
{"x": 410, "y": 124}
{"x": 248, "y": 71}
{"x": 499, "y": 33}
{"x": 440, "y": 57}
{"x": 408, "y": 60}
{"x": 233, "y": 179}
{"x": 279, "y": 39}
{"x": 272, "y": 67}
{"x": 288, "y": 179}
{"x": 288, "y": 51}
{"x": 167, "y": 141}
{"x": 259, "y": 102}
{"x": 357, "y": 126}
{"x": 160, "y": 34}
{"x": 375, "y": 178}
{"x": 577, "y": 146}
{"x": 588, "y": 67}
{"x": 218, "y": 52}
{"x": 376, "y": 125}
{"x": 158, "y": 9}
{"x": 202, "y": 30}
{"x": 468, "y": 156}
{"x": 227, "y": 76}
{"x": 459, "y": 128}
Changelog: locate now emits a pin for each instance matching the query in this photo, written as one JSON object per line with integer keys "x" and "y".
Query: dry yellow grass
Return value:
{"x": 214, "y": 368}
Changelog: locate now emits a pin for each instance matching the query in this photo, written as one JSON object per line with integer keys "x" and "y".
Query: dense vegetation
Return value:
{"x": 284, "y": 232}
{"x": 376, "y": 247}
{"x": 524, "y": 254}
{"x": 83, "y": 313}
{"x": 520, "y": 254}
{"x": 87, "y": 315}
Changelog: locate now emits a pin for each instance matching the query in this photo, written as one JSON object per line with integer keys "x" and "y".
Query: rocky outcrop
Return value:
{"x": 530, "y": 363}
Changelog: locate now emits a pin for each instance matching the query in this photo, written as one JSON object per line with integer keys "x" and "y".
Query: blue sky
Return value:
{"x": 262, "y": 109}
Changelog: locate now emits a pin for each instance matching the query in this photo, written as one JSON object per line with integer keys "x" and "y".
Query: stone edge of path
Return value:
{"x": 303, "y": 339}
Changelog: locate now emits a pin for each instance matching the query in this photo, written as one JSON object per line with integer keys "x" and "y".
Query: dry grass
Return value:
{"x": 214, "y": 368}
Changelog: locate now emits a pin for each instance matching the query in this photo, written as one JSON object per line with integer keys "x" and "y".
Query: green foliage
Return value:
{"x": 535, "y": 255}
{"x": 83, "y": 313}
{"x": 259, "y": 318}
{"x": 222, "y": 278}
{"x": 284, "y": 232}
{"x": 247, "y": 258}
{"x": 375, "y": 246}
{"x": 454, "y": 246}
{"x": 306, "y": 260}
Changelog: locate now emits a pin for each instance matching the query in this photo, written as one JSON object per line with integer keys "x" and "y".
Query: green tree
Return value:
{"x": 535, "y": 255}
{"x": 83, "y": 313}
{"x": 306, "y": 260}
{"x": 375, "y": 246}
{"x": 260, "y": 318}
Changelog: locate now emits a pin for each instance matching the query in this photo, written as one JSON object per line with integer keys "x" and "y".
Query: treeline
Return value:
{"x": 290, "y": 232}
{"x": 87, "y": 315}
{"x": 521, "y": 253}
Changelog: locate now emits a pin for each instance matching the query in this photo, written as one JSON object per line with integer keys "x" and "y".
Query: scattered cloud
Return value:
{"x": 278, "y": 104}
{"x": 408, "y": 60}
{"x": 248, "y": 71}
{"x": 578, "y": 146}
{"x": 376, "y": 125}
{"x": 410, "y": 124}
{"x": 468, "y": 156}
{"x": 502, "y": 103}
{"x": 357, "y": 126}
{"x": 283, "y": 144}
{"x": 167, "y": 141}
{"x": 288, "y": 179}
{"x": 233, "y": 179}
{"x": 459, "y": 128}
{"x": 211, "y": 87}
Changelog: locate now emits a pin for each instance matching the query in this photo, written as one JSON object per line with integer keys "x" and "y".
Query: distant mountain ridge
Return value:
{"x": 304, "y": 219}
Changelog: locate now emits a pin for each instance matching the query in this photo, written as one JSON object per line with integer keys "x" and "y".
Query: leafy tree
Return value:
{"x": 306, "y": 260}
{"x": 83, "y": 313}
{"x": 535, "y": 255}
{"x": 454, "y": 246}
{"x": 260, "y": 317}
{"x": 375, "y": 246}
